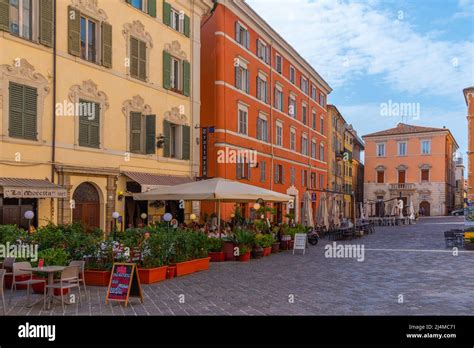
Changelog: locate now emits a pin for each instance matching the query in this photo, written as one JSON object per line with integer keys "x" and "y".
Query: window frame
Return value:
{"x": 98, "y": 39}
{"x": 278, "y": 58}
{"x": 279, "y": 134}
{"x": 378, "y": 153}
{"x": 428, "y": 141}
{"x": 292, "y": 139}
{"x": 399, "y": 144}
{"x": 292, "y": 74}
{"x": 244, "y": 109}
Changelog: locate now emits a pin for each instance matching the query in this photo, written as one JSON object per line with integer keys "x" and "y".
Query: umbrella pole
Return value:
{"x": 219, "y": 217}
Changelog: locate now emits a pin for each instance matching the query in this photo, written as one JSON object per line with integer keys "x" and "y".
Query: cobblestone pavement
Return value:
{"x": 409, "y": 261}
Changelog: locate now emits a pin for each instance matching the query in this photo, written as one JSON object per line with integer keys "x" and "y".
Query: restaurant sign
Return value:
{"x": 24, "y": 192}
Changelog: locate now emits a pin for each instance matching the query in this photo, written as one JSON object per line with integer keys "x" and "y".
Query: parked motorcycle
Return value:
{"x": 313, "y": 237}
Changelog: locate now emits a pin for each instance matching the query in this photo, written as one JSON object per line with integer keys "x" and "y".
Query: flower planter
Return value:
{"x": 18, "y": 278}
{"x": 201, "y": 264}
{"x": 267, "y": 251}
{"x": 97, "y": 278}
{"x": 229, "y": 251}
{"x": 39, "y": 288}
{"x": 152, "y": 275}
{"x": 57, "y": 292}
{"x": 275, "y": 248}
{"x": 245, "y": 257}
{"x": 184, "y": 268}
{"x": 217, "y": 256}
{"x": 257, "y": 253}
{"x": 170, "y": 272}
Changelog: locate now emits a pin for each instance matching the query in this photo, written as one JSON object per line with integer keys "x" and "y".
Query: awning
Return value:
{"x": 31, "y": 188}
{"x": 149, "y": 181}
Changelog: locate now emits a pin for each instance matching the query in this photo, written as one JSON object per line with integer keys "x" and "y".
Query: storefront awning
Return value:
{"x": 150, "y": 181}
{"x": 30, "y": 188}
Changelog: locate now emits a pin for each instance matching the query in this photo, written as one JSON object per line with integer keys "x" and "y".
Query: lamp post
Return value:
{"x": 115, "y": 216}
{"x": 143, "y": 216}
{"x": 29, "y": 215}
{"x": 168, "y": 217}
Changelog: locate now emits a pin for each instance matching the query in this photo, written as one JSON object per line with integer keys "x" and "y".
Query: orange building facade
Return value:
{"x": 469, "y": 97}
{"x": 260, "y": 97}
{"x": 412, "y": 163}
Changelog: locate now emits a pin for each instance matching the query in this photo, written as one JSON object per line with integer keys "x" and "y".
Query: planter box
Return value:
{"x": 275, "y": 248}
{"x": 229, "y": 251}
{"x": 170, "y": 272}
{"x": 186, "y": 267}
{"x": 97, "y": 278}
{"x": 201, "y": 264}
{"x": 217, "y": 256}
{"x": 152, "y": 275}
{"x": 267, "y": 251}
{"x": 39, "y": 288}
{"x": 245, "y": 257}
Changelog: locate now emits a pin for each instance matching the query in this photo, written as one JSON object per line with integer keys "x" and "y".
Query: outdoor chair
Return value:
{"x": 2, "y": 280}
{"x": 17, "y": 266}
{"x": 69, "y": 280}
{"x": 450, "y": 238}
{"x": 8, "y": 265}
{"x": 81, "y": 265}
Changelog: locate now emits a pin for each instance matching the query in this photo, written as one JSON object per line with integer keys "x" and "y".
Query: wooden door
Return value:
{"x": 401, "y": 176}
{"x": 87, "y": 205}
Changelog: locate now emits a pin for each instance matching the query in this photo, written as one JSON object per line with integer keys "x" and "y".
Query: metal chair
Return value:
{"x": 81, "y": 265}
{"x": 69, "y": 279}
{"x": 17, "y": 266}
{"x": 8, "y": 265}
{"x": 2, "y": 279}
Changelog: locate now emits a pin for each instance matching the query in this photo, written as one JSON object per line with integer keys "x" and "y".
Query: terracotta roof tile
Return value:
{"x": 403, "y": 128}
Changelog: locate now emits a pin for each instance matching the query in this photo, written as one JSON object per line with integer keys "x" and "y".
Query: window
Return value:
{"x": 21, "y": 18}
{"x": 263, "y": 171}
{"x": 279, "y": 134}
{"x": 304, "y": 145}
{"x": 263, "y": 51}
{"x": 243, "y": 117}
{"x": 143, "y": 135}
{"x": 242, "y": 81}
{"x": 88, "y": 39}
{"x": 279, "y": 174}
{"x": 293, "y": 139}
{"x": 243, "y": 168}
{"x": 321, "y": 181}
{"x": 304, "y": 84}
{"x": 425, "y": 147}
{"x": 279, "y": 63}
{"x": 314, "y": 149}
{"x": 322, "y": 125}
{"x": 23, "y": 107}
{"x": 313, "y": 180}
{"x": 278, "y": 98}
{"x": 322, "y": 99}
{"x": 262, "y": 88}
{"x": 242, "y": 35}
{"x": 262, "y": 128}
{"x": 138, "y": 59}
{"x": 401, "y": 176}
{"x": 177, "y": 21}
{"x": 313, "y": 93}
{"x": 89, "y": 127}
{"x": 173, "y": 18}
{"x": 176, "y": 74}
{"x": 380, "y": 177}
{"x": 304, "y": 110}
{"x": 292, "y": 75}
{"x": 380, "y": 150}
{"x": 321, "y": 152}
{"x": 292, "y": 175}
{"x": 292, "y": 108}
{"x": 138, "y": 4}
{"x": 402, "y": 149}
{"x": 304, "y": 178}
{"x": 425, "y": 175}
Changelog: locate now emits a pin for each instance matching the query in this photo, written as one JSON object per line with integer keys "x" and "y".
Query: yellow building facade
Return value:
{"x": 111, "y": 109}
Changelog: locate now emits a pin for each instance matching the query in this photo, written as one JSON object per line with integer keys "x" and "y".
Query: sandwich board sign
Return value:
{"x": 301, "y": 242}
{"x": 124, "y": 282}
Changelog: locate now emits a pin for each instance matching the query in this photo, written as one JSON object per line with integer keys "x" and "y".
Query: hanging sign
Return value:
{"x": 124, "y": 282}
{"x": 301, "y": 242}
{"x": 204, "y": 140}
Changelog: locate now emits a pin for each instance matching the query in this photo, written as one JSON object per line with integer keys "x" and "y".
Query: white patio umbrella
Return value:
{"x": 411, "y": 211}
{"x": 394, "y": 208}
{"x": 388, "y": 208}
{"x": 362, "y": 213}
{"x": 400, "y": 209}
{"x": 307, "y": 210}
{"x": 336, "y": 213}
{"x": 324, "y": 211}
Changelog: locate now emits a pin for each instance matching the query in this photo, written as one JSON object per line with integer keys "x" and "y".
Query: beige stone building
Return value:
{"x": 105, "y": 105}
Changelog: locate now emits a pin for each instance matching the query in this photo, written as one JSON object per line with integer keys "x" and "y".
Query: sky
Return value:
{"x": 381, "y": 54}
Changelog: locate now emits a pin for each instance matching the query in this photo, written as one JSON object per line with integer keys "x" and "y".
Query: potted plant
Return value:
{"x": 99, "y": 264}
{"x": 267, "y": 242}
{"x": 244, "y": 254}
{"x": 257, "y": 250}
{"x": 155, "y": 255}
{"x": 215, "y": 246}
{"x": 244, "y": 240}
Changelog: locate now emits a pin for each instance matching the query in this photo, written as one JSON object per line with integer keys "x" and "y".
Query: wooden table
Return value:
{"x": 50, "y": 270}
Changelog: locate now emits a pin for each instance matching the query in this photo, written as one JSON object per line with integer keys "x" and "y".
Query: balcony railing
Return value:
{"x": 402, "y": 186}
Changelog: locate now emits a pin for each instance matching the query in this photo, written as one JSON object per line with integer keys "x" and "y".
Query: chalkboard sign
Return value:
{"x": 124, "y": 282}
{"x": 301, "y": 242}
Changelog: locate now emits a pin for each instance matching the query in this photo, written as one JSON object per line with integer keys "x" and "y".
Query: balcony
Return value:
{"x": 402, "y": 187}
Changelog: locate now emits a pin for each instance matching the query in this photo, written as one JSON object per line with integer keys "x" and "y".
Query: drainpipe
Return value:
{"x": 53, "y": 145}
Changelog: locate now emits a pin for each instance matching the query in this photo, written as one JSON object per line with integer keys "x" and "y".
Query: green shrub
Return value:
{"x": 214, "y": 244}
{"x": 244, "y": 237}
{"x": 54, "y": 257}
{"x": 268, "y": 240}
{"x": 12, "y": 234}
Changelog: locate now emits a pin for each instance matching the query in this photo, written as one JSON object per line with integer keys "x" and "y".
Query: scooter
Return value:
{"x": 313, "y": 237}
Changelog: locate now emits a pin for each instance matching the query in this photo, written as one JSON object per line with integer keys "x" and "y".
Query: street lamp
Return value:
{"x": 29, "y": 215}
{"x": 192, "y": 217}
{"x": 256, "y": 206}
{"x": 143, "y": 216}
{"x": 115, "y": 216}
{"x": 168, "y": 217}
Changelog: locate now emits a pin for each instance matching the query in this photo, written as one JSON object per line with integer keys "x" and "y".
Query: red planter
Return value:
{"x": 267, "y": 251}
{"x": 245, "y": 257}
{"x": 152, "y": 275}
{"x": 229, "y": 251}
{"x": 39, "y": 288}
{"x": 184, "y": 268}
{"x": 97, "y": 278}
{"x": 217, "y": 256}
{"x": 201, "y": 264}
{"x": 20, "y": 278}
{"x": 170, "y": 272}
{"x": 57, "y": 292}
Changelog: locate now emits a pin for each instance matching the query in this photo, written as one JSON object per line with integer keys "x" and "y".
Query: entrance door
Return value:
{"x": 133, "y": 211}
{"x": 87, "y": 205}
{"x": 401, "y": 176}
{"x": 425, "y": 208}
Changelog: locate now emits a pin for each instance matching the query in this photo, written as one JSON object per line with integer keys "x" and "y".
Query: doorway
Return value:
{"x": 133, "y": 211}
{"x": 173, "y": 208}
{"x": 87, "y": 205}
{"x": 425, "y": 208}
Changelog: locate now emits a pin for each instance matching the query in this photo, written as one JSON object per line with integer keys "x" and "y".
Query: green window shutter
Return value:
{"x": 186, "y": 143}
{"x": 94, "y": 125}
{"x": 150, "y": 134}
{"x": 166, "y": 70}
{"x": 152, "y": 8}
{"x": 166, "y": 13}
{"x": 167, "y": 136}
{"x": 136, "y": 132}
{"x": 187, "y": 26}
{"x": 186, "y": 78}
{"x": 142, "y": 60}
{"x": 46, "y": 22}
{"x": 15, "y": 118}
{"x": 5, "y": 15}
{"x": 134, "y": 57}
{"x": 74, "y": 31}
{"x": 30, "y": 111}
{"x": 106, "y": 45}
{"x": 84, "y": 134}
{"x": 89, "y": 128}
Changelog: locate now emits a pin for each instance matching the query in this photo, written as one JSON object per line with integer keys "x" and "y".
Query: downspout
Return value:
{"x": 53, "y": 143}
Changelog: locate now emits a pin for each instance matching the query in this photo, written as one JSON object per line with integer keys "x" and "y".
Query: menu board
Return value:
{"x": 300, "y": 243}
{"x": 124, "y": 282}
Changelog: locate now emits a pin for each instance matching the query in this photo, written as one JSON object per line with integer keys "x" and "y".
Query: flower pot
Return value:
{"x": 20, "y": 278}
{"x": 97, "y": 277}
{"x": 152, "y": 275}
{"x": 275, "y": 248}
{"x": 57, "y": 292}
{"x": 39, "y": 288}
{"x": 201, "y": 264}
{"x": 170, "y": 272}
{"x": 245, "y": 257}
{"x": 229, "y": 251}
{"x": 267, "y": 251}
{"x": 217, "y": 256}
{"x": 184, "y": 268}
{"x": 257, "y": 253}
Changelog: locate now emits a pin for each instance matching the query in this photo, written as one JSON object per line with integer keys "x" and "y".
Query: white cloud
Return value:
{"x": 344, "y": 40}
